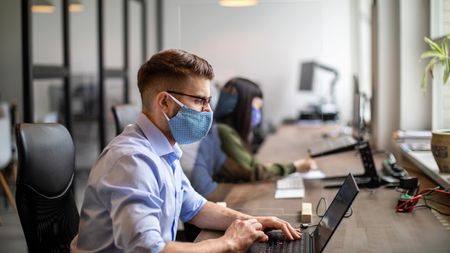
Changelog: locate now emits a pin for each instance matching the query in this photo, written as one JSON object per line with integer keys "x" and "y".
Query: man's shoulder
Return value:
{"x": 128, "y": 151}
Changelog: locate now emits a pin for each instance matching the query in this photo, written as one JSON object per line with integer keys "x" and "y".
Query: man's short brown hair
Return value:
{"x": 169, "y": 68}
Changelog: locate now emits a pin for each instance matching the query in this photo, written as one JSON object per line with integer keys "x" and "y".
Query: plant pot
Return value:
{"x": 440, "y": 146}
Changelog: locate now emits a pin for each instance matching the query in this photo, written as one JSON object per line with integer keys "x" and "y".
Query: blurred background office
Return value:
{"x": 69, "y": 61}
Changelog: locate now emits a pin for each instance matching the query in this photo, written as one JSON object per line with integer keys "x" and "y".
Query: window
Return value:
{"x": 440, "y": 26}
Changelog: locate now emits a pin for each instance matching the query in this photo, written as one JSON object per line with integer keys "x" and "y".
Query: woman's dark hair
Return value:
{"x": 240, "y": 118}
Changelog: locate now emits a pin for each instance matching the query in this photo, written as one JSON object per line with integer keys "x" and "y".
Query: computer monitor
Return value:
{"x": 307, "y": 76}
{"x": 357, "y": 122}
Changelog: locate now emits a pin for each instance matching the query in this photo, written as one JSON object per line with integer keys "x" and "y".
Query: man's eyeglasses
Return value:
{"x": 204, "y": 101}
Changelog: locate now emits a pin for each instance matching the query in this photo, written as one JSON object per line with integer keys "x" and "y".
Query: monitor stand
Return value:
{"x": 370, "y": 177}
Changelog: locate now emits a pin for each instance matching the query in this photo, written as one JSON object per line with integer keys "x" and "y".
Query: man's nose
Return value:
{"x": 207, "y": 108}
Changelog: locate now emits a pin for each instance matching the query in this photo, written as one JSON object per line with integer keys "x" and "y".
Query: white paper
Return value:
{"x": 312, "y": 174}
{"x": 290, "y": 193}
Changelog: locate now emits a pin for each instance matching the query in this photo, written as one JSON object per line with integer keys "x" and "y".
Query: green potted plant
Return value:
{"x": 440, "y": 140}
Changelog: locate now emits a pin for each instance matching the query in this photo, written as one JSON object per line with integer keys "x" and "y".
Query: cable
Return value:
{"x": 348, "y": 213}
{"x": 305, "y": 225}
{"x": 438, "y": 202}
{"x": 435, "y": 209}
{"x": 408, "y": 205}
{"x": 317, "y": 207}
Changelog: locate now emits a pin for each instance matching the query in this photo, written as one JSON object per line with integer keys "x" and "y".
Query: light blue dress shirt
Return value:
{"x": 136, "y": 194}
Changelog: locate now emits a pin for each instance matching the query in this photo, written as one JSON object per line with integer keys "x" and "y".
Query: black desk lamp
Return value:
{"x": 307, "y": 78}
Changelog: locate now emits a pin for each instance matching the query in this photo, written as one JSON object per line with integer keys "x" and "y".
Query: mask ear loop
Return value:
{"x": 176, "y": 101}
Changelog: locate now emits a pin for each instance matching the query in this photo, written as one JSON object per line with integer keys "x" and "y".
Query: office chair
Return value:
{"x": 5, "y": 151}
{"x": 124, "y": 115}
{"x": 44, "y": 193}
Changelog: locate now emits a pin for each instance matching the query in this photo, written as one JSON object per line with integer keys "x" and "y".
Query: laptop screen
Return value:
{"x": 335, "y": 213}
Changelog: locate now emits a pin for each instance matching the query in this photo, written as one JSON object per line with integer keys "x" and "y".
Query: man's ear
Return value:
{"x": 161, "y": 101}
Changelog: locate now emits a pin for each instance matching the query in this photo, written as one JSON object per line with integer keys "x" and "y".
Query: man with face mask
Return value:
{"x": 137, "y": 191}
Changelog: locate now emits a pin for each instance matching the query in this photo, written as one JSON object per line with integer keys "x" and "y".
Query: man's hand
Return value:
{"x": 242, "y": 233}
{"x": 269, "y": 223}
{"x": 305, "y": 165}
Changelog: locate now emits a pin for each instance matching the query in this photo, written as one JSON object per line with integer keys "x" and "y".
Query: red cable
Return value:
{"x": 415, "y": 199}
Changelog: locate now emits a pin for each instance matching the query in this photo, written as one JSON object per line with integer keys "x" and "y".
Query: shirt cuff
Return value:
{"x": 189, "y": 216}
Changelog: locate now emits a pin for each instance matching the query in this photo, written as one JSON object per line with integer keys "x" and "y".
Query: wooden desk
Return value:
{"x": 374, "y": 225}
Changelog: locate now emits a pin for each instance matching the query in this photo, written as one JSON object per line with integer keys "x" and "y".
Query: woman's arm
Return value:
{"x": 241, "y": 165}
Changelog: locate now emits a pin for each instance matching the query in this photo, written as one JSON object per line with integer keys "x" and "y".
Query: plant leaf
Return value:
{"x": 444, "y": 46}
{"x": 446, "y": 71}
{"x": 428, "y": 71}
{"x": 433, "y": 45}
{"x": 446, "y": 74}
{"x": 424, "y": 83}
{"x": 429, "y": 54}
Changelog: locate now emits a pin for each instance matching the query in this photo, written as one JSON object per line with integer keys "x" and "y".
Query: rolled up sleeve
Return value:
{"x": 131, "y": 193}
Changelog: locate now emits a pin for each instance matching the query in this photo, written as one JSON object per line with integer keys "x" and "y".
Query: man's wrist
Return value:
{"x": 246, "y": 217}
{"x": 229, "y": 244}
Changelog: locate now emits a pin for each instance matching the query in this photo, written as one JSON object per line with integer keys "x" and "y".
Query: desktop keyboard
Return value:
{"x": 332, "y": 146}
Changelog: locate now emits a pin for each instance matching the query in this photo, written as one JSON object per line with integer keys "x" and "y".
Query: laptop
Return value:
{"x": 329, "y": 147}
{"x": 317, "y": 239}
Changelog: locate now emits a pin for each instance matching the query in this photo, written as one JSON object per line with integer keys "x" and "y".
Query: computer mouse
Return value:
{"x": 276, "y": 235}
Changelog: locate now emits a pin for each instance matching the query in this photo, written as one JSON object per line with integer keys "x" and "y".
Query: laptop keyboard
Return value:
{"x": 283, "y": 246}
{"x": 278, "y": 244}
{"x": 290, "y": 182}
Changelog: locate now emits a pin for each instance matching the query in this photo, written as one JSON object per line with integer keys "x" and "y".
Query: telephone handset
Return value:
{"x": 391, "y": 167}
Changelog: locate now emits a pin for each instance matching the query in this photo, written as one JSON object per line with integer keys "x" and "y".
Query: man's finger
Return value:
{"x": 295, "y": 233}
{"x": 257, "y": 226}
{"x": 286, "y": 231}
{"x": 261, "y": 236}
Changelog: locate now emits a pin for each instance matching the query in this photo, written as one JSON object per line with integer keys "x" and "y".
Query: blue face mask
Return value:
{"x": 256, "y": 117}
{"x": 226, "y": 104}
{"x": 188, "y": 125}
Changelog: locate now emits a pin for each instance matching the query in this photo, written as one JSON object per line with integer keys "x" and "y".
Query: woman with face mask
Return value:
{"x": 224, "y": 155}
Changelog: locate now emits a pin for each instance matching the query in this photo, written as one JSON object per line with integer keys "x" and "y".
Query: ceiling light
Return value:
{"x": 42, "y": 6}
{"x": 75, "y": 6}
{"x": 238, "y": 3}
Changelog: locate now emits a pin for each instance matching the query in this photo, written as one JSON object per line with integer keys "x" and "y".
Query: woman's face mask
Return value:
{"x": 256, "y": 117}
{"x": 226, "y": 104}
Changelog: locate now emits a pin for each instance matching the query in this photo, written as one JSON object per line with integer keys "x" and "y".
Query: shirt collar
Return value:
{"x": 157, "y": 139}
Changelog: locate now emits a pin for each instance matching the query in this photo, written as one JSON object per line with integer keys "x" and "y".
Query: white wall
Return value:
{"x": 387, "y": 81}
{"x": 267, "y": 43}
{"x": 415, "y": 105}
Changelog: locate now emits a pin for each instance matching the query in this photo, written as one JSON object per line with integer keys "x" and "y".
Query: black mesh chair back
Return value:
{"x": 44, "y": 194}
{"x": 124, "y": 115}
